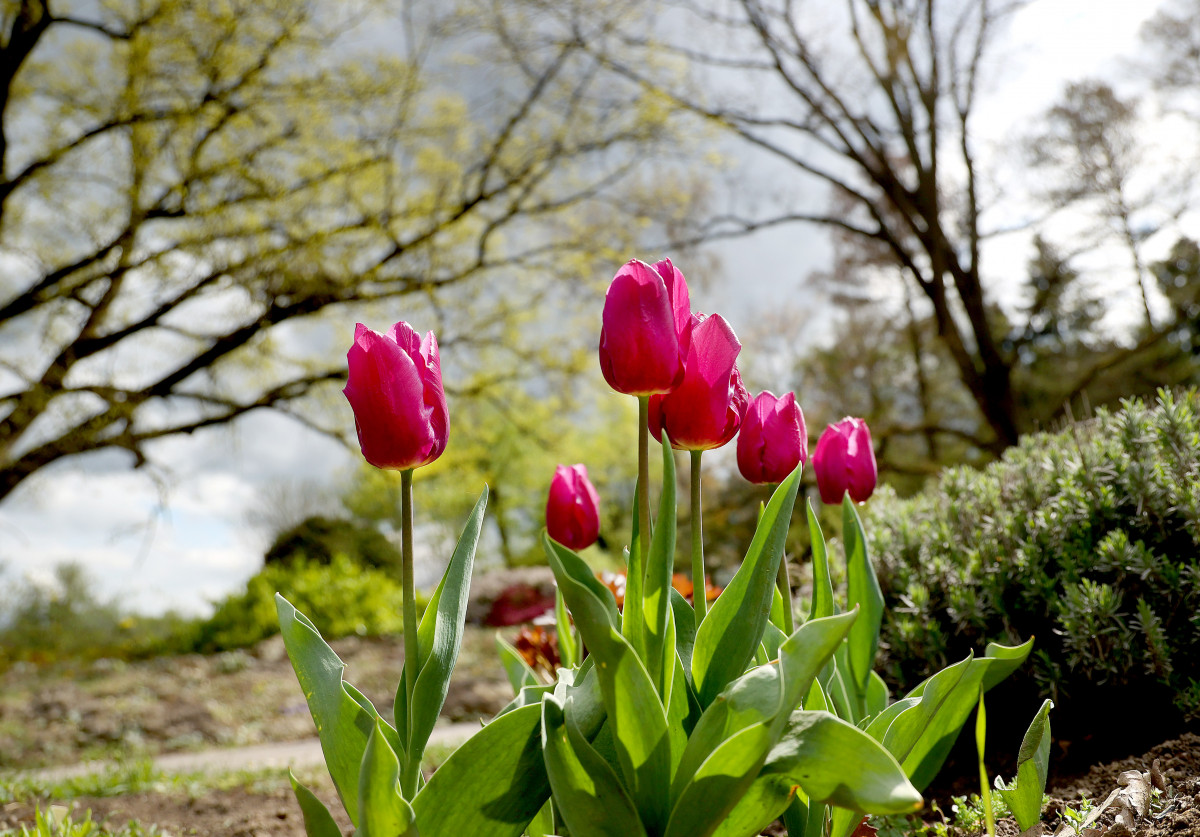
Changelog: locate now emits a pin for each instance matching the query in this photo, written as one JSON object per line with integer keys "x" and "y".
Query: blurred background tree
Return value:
{"x": 193, "y": 194}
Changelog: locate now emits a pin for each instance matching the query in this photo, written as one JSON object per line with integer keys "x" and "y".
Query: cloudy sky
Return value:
{"x": 180, "y": 536}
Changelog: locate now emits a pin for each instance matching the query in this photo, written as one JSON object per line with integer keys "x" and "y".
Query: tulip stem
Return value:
{"x": 784, "y": 582}
{"x": 644, "y": 480}
{"x": 699, "y": 588}
{"x": 410, "y": 603}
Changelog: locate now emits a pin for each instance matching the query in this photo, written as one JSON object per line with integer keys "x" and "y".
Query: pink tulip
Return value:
{"x": 646, "y": 328}
{"x": 773, "y": 440}
{"x": 395, "y": 390}
{"x": 573, "y": 508}
{"x": 705, "y": 410}
{"x": 845, "y": 462}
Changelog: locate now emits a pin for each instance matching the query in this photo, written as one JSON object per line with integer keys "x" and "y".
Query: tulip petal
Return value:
{"x": 705, "y": 411}
{"x": 639, "y": 344}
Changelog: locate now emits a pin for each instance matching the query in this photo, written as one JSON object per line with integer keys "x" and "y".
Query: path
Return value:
{"x": 280, "y": 754}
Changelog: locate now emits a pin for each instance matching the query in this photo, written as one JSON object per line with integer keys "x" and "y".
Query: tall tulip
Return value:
{"x": 644, "y": 341}
{"x": 772, "y": 443}
{"x": 395, "y": 390}
{"x": 702, "y": 413}
{"x": 646, "y": 328}
{"x": 573, "y": 508}
{"x": 773, "y": 440}
{"x": 844, "y": 461}
{"x": 706, "y": 409}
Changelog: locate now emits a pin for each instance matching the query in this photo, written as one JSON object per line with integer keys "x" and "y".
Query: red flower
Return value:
{"x": 845, "y": 462}
{"x": 773, "y": 440}
{"x": 646, "y": 328}
{"x": 705, "y": 411}
{"x": 573, "y": 508}
{"x": 395, "y": 390}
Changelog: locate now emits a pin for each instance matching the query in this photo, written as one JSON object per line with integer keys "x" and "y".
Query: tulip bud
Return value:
{"x": 844, "y": 461}
{"x": 573, "y": 508}
{"x": 395, "y": 390}
{"x": 773, "y": 439}
{"x": 705, "y": 410}
{"x": 646, "y": 328}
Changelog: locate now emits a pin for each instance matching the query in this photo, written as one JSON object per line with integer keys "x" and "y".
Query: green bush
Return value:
{"x": 1088, "y": 539}
{"x": 319, "y": 538}
{"x": 341, "y": 598}
{"x": 68, "y": 620}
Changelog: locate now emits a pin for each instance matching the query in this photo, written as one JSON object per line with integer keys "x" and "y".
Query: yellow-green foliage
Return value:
{"x": 341, "y": 598}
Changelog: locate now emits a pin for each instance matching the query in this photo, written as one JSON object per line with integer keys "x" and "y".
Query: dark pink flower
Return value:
{"x": 706, "y": 409}
{"x": 395, "y": 390}
{"x": 573, "y": 508}
{"x": 645, "y": 333}
{"x": 845, "y": 462}
{"x": 773, "y": 439}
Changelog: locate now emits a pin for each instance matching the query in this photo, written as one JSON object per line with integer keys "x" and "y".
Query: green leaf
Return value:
{"x": 803, "y": 655}
{"x": 657, "y": 608}
{"x": 839, "y": 764}
{"x": 760, "y": 805}
{"x": 542, "y": 825}
{"x": 878, "y": 696}
{"x": 822, "y": 600}
{"x": 519, "y": 673}
{"x": 862, "y": 590}
{"x": 922, "y": 735}
{"x": 685, "y": 630}
{"x": 635, "y": 711}
{"x": 1024, "y": 796}
{"x": 318, "y": 822}
{"x": 576, "y": 569}
{"x": 439, "y": 638}
{"x": 493, "y": 784}
{"x": 568, "y": 651}
{"x": 719, "y": 783}
{"x": 732, "y": 631}
{"x": 382, "y": 810}
{"x": 342, "y": 724}
{"x": 589, "y": 796}
{"x": 635, "y": 575}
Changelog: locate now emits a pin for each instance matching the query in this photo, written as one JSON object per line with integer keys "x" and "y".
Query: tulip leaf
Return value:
{"x": 635, "y": 575}
{"x": 837, "y": 763}
{"x": 493, "y": 784}
{"x": 921, "y": 736}
{"x": 635, "y": 710}
{"x": 685, "y": 630}
{"x": 318, "y": 822}
{"x": 761, "y": 804}
{"x": 862, "y": 590}
{"x": 343, "y": 725}
{"x": 439, "y": 638}
{"x": 822, "y": 597}
{"x": 576, "y": 569}
{"x": 656, "y": 611}
{"x": 1024, "y": 796}
{"x": 729, "y": 636}
{"x": 568, "y": 650}
{"x": 382, "y": 810}
{"x": 587, "y": 791}
{"x": 802, "y": 656}
{"x": 519, "y": 673}
{"x": 721, "y": 780}
{"x": 878, "y": 695}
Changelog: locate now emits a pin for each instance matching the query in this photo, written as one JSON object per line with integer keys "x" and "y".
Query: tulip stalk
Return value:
{"x": 410, "y": 603}
{"x": 643, "y": 497}
{"x": 699, "y": 588}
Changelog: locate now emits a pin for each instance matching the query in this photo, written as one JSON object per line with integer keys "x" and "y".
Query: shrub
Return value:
{"x": 341, "y": 598}
{"x": 320, "y": 538}
{"x": 1088, "y": 539}
{"x": 67, "y": 619}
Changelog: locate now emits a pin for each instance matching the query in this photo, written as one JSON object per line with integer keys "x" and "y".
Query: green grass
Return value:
{"x": 60, "y": 821}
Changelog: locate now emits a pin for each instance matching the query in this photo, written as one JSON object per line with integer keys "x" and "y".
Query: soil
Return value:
{"x": 59, "y": 716}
